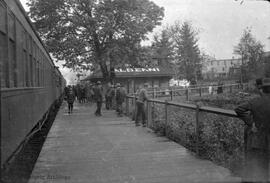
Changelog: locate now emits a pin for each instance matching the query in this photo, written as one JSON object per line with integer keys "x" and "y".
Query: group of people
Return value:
{"x": 114, "y": 96}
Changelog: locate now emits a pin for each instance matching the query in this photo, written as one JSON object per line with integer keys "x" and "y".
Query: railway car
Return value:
{"x": 30, "y": 82}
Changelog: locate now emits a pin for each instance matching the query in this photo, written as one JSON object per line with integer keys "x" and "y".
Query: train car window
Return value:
{"x": 26, "y": 81}
{"x": 31, "y": 71}
{"x": 3, "y": 18}
{"x": 38, "y": 78}
{"x": 3, "y": 60}
{"x": 11, "y": 25}
{"x": 34, "y": 71}
{"x": 12, "y": 63}
{"x": 20, "y": 56}
{"x": 30, "y": 50}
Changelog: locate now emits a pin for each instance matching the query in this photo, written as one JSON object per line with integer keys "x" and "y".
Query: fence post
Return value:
{"x": 153, "y": 93}
{"x": 171, "y": 93}
{"x": 230, "y": 88}
{"x": 166, "y": 117}
{"x": 127, "y": 106}
{"x": 187, "y": 94}
{"x": 134, "y": 107}
{"x": 197, "y": 129}
{"x": 200, "y": 91}
{"x": 149, "y": 114}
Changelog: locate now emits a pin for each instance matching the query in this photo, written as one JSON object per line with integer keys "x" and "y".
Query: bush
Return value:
{"x": 221, "y": 138}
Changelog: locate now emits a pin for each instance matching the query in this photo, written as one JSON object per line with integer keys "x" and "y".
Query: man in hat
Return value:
{"x": 108, "y": 96}
{"x": 256, "y": 114}
{"x": 70, "y": 97}
{"x": 98, "y": 97}
{"x": 142, "y": 97}
{"x": 120, "y": 96}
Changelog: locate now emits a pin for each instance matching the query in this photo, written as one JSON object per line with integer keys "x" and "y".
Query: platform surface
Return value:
{"x": 83, "y": 148}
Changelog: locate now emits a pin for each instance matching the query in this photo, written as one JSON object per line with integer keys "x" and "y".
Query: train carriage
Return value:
{"x": 30, "y": 82}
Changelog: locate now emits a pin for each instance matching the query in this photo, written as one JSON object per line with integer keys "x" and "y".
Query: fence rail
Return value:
{"x": 196, "y": 108}
{"x": 173, "y": 92}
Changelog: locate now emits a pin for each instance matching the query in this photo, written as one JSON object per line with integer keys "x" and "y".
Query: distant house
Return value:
{"x": 220, "y": 68}
{"x": 132, "y": 78}
{"x": 226, "y": 68}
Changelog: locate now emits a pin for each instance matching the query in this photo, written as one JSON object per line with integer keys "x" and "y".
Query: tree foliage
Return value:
{"x": 162, "y": 47}
{"x": 187, "y": 51}
{"x": 93, "y": 33}
{"x": 251, "y": 52}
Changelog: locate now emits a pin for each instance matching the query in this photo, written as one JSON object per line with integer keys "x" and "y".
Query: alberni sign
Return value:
{"x": 137, "y": 70}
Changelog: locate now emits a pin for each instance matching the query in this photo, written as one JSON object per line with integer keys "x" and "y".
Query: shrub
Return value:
{"x": 221, "y": 138}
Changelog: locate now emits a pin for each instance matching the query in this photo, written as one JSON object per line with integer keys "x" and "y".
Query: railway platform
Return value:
{"x": 83, "y": 148}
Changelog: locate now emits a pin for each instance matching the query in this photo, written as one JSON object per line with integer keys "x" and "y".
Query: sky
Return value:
{"x": 220, "y": 23}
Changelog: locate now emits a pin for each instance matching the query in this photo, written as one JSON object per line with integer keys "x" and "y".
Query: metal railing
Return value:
{"x": 130, "y": 108}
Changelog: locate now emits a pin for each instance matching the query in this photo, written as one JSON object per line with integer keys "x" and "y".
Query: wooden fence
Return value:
{"x": 131, "y": 105}
{"x": 173, "y": 92}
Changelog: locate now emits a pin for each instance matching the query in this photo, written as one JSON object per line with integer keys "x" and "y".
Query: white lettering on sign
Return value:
{"x": 138, "y": 70}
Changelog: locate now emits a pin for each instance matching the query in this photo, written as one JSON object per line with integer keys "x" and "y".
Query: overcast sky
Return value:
{"x": 220, "y": 22}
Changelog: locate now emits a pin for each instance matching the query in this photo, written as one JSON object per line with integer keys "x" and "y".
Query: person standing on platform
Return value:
{"x": 142, "y": 97}
{"x": 70, "y": 99}
{"x": 256, "y": 114}
{"x": 120, "y": 96}
{"x": 109, "y": 96}
{"x": 98, "y": 97}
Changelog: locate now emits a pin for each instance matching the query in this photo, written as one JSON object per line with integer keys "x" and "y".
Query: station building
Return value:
{"x": 132, "y": 78}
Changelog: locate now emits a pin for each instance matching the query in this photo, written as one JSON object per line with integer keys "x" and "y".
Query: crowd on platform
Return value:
{"x": 112, "y": 95}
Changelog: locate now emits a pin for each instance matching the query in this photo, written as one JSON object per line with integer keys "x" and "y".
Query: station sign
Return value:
{"x": 155, "y": 69}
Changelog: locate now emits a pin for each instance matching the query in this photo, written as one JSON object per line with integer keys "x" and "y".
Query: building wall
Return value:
{"x": 133, "y": 84}
{"x": 219, "y": 68}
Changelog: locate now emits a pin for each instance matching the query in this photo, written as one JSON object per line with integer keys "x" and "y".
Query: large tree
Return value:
{"x": 187, "y": 51}
{"x": 162, "y": 47}
{"x": 251, "y": 52}
{"x": 94, "y": 33}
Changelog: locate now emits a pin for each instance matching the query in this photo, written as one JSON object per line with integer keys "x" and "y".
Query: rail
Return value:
{"x": 173, "y": 92}
{"x": 196, "y": 108}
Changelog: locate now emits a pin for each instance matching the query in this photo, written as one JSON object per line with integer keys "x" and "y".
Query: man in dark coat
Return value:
{"x": 108, "y": 96}
{"x": 256, "y": 115}
{"x": 120, "y": 96}
{"x": 142, "y": 97}
{"x": 70, "y": 97}
{"x": 98, "y": 97}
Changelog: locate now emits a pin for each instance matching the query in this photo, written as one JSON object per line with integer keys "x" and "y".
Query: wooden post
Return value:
{"x": 149, "y": 114}
{"x": 200, "y": 90}
{"x": 171, "y": 92}
{"x": 134, "y": 107}
{"x": 127, "y": 106}
{"x": 166, "y": 117}
{"x": 187, "y": 94}
{"x": 230, "y": 88}
{"x": 197, "y": 129}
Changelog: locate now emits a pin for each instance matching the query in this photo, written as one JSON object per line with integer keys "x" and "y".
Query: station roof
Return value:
{"x": 130, "y": 72}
